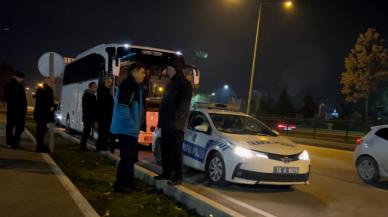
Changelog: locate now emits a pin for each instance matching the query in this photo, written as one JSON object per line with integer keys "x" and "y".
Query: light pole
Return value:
{"x": 287, "y": 5}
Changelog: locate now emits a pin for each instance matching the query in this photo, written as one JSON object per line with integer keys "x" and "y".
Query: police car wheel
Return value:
{"x": 158, "y": 152}
{"x": 215, "y": 169}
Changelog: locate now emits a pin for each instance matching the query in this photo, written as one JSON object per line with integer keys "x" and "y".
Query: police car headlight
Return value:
{"x": 243, "y": 152}
{"x": 261, "y": 155}
{"x": 304, "y": 156}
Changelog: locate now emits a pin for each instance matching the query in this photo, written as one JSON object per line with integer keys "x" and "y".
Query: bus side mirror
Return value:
{"x": 116, "y": 66}
{"x": 192, "y": 74}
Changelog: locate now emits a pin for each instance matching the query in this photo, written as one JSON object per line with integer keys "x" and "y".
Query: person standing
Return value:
{"x": 173, "y": 115}
{"x": 15, "y": 97}
{"x": 89, "y": 111}
{"x": 104, "y": 114}
{"x": 44, "y": 106}
{"x": 127, "y": 121}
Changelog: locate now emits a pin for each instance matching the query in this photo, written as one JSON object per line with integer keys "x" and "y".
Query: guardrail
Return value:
{"x": 345, "y": 131}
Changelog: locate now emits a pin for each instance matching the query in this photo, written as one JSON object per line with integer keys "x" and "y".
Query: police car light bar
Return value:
{"x": 212, "y": 105}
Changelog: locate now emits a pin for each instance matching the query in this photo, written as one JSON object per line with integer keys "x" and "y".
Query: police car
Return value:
{"x": 233, "y": 147}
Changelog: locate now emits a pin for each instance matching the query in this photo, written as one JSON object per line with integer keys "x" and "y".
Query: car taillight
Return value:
{"x": 359, "y": 141}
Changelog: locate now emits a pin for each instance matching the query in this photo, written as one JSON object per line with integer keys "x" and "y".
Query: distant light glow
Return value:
{"x": 288, "y": 4}
{"x": 226, "y": 87}
{"x": 213, "y": 94}
{"x": 179, "y": 53}
{"x": 126, "y": 46}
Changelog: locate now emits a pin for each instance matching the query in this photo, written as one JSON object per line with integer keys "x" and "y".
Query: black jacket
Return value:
{"x": 44, "y": 101}
{"x": 89, "y": 105}
{"x": 15, "y": 97}
{"x": 175, "y": 105}
{"x": 104, "y": 105}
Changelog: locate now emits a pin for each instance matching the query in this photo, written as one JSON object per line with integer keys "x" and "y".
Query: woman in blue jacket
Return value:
{"x": 127, "y": 121}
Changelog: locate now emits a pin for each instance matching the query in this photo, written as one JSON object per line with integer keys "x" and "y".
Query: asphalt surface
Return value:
{"x": 334, "y": 190}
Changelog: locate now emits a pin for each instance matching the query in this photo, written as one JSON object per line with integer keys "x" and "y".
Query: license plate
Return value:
{"x": 148, "y": 139}
{"x": 286, "y": 170}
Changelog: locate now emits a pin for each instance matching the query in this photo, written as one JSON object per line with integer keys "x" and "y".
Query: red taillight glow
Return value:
{"x": 359, "y": 141}
{"x": 284, "y": 126}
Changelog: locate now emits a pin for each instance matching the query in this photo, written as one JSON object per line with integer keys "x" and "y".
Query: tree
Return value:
{"x": 267, "y": 105}
{"x": 309, "y": 107}
{"x": 284, "y": 105}
{"x": 365, "y": 65}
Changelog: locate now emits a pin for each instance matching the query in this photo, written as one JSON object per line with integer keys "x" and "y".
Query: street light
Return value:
{"x": 288, "y": 5}
{"x": 213, "y": 94}
{"x": 226, "y": 87}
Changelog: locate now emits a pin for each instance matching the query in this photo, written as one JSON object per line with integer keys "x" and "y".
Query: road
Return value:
{"x": 334, "y": 190}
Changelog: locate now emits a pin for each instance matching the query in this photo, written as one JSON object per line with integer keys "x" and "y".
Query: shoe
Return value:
{"x": 15, "y": 147}
{"x": 174, "y": 181}
{"x": 162, "y": 177}
{"x": 123, "y": 190}
{"x": 135, "y": 188}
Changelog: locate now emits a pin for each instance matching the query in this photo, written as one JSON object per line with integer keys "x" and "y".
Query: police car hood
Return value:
{"x": 267, "y": 144}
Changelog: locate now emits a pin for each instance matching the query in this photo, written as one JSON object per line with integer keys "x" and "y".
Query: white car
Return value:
{"x": 234, "y": 147}
{"x": 371, "y": 155}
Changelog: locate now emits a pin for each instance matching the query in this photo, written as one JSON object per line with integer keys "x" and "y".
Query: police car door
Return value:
{"x": 197, "y": 135}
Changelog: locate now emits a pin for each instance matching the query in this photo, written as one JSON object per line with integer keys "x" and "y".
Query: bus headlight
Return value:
{"x": 59, "y": 116}
{"x": 304, "y": 156}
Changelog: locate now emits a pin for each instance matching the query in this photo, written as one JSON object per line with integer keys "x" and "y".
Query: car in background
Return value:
{"x": 371, "y": 155}
{"x": 286, "y": 127}
{"x": 231, "y": 146}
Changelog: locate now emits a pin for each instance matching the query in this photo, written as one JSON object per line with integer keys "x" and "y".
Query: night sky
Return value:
{"x": 301, "y": 50}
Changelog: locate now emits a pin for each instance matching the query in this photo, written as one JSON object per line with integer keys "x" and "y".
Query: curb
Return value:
{"x": 73, "y": 191}
{"x": 201, "y": 204}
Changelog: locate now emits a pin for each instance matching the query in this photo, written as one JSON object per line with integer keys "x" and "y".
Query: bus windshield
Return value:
{"x": 155, "y": 62}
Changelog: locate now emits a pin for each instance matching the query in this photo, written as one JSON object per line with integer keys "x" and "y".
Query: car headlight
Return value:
{"x": 261, "y": 155}
{"x": 59, "y": 116}
{"x": 246, "y": 153}
{"x": 243, "y": 152}
{"x": 304, "y": 156}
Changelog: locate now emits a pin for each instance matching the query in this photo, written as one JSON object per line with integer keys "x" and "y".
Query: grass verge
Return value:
{"x": 94, "y": 174}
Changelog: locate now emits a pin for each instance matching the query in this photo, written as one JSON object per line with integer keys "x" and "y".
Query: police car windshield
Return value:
{"x": 238, "y": 124}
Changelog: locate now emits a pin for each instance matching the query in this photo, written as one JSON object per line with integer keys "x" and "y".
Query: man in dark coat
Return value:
{"x": 43, "y": 112}
{"x": 173, "y": 115}
{"x": 15, "y": 97}
{"x": 89, "y": 111}
{"x": 105, "y": 104}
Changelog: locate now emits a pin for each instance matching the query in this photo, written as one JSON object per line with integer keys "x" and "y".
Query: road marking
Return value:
{"x": 242, "y": 204}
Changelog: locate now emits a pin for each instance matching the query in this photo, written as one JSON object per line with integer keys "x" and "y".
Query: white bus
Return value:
{"x": 94, "y": 64}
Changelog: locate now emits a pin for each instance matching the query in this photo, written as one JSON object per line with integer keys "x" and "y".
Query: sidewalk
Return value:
{"x": 28, "y": 184}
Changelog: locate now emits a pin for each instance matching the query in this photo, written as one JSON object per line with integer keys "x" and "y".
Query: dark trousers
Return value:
{"x": 171, "y": 148}
{"x": 128, "y": 158}
{"x": 104, "y": 136}
{"x": 14, "y": 129}
{"x": 41, "y": 129}
{"x": 88, "y": 124}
